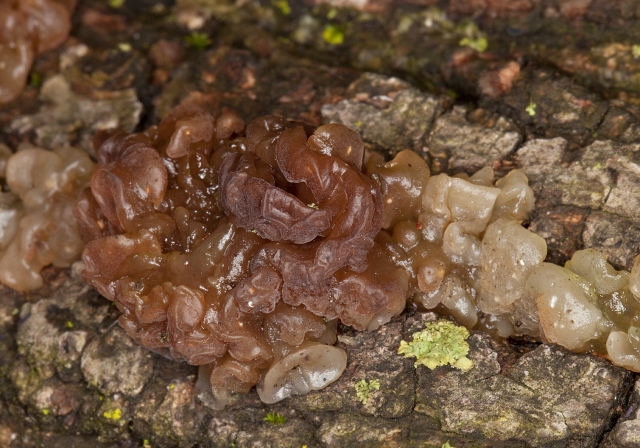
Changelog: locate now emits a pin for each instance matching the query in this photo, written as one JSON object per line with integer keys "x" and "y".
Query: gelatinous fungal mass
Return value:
{"x": 468, "y": 256}
{"x": 37, "y": 227}
{"x": 237, "y": 248}
{"x": 29, "y": 28}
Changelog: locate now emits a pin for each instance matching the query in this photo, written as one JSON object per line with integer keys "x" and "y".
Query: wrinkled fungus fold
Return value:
{"x": 239, "y": 248}
{"x": 29, "y": 28}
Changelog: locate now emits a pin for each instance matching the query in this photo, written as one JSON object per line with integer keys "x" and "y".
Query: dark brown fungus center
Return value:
{"x": 237, "y": 250}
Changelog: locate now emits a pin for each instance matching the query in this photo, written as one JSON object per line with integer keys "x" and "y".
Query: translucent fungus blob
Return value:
{"x": 37, "y": 226}
{"x": 29, "y": 28}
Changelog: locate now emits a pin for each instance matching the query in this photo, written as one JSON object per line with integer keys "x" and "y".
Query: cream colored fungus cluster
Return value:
{"x": 469, "y": 255}
{"x": 37, "y": 226}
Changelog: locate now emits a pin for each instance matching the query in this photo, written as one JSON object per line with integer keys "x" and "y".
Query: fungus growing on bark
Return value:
{"x": 29, "y": 28}
{"x": 310, "y": 367}
{"x": 468, "y": 256}
{"x": 237, "y": 250}
{"x": 37, "y": 227}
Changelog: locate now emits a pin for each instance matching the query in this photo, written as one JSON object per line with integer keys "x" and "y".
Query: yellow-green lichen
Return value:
{"x": 116, "y": 414}
{"x": 364, "y": 389}
{"x": 440, "y": 343}
{"x": 531, "y": 108}
{"x": 333, "y": 12}
{"x": 333, "y": 35}
{"x": 472, "y": 37}
{"x": 283, "y": 6}
{"x": 479, "y": 44}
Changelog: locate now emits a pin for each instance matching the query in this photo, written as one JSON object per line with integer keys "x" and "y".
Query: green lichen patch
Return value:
{"x": 283, "y": 6}
{"x": 479, "y": 44}
{"x": 365, "y": 389}
{"x": 440, "y": 343}
{"x": 333, "y": 35}
{"x": 114, "y": 414}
